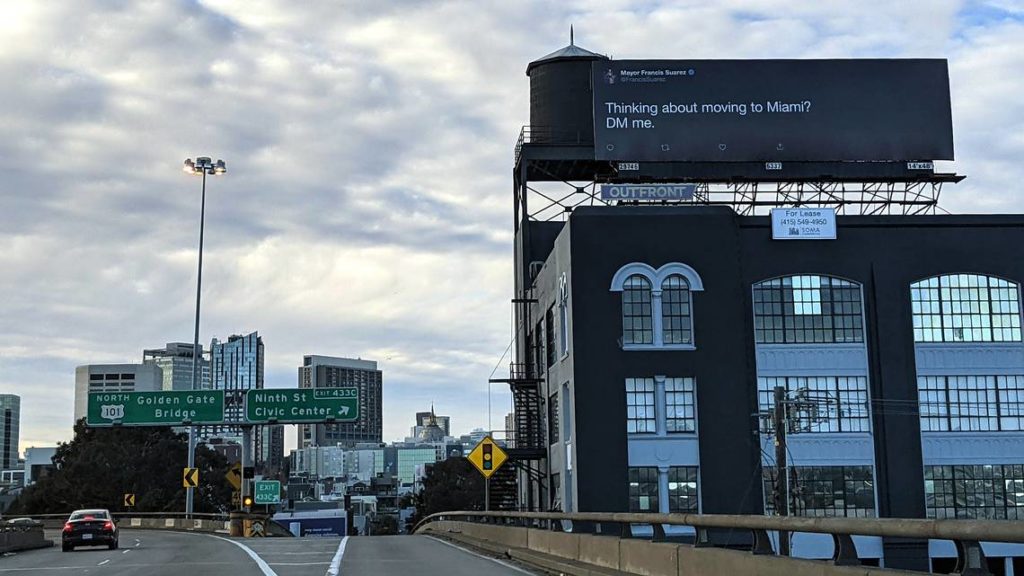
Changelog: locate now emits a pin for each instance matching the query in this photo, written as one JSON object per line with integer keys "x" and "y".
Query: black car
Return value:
{"x": 89, "y": 528}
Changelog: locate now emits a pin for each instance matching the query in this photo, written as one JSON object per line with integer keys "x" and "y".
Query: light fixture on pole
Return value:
{"x": 202, "y": 165}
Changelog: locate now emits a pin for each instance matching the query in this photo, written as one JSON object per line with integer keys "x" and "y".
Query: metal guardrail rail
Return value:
{"x": 967, "y": 535}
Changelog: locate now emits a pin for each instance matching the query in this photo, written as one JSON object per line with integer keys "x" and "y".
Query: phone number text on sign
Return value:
{"x": 803, "y": 224}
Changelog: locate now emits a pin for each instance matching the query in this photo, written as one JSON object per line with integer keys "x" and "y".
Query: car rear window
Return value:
{"x": 89, "y": 514}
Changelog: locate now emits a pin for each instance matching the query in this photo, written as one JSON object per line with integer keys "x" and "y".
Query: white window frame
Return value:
{"x": 657, "y": 277}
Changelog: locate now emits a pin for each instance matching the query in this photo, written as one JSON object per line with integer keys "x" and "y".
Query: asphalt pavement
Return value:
{"x": 158, "y": 553}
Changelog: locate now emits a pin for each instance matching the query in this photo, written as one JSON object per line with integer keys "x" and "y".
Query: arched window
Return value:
{"x": 637, "y": 325}
{"x": 808, "y": 309}
{"x": 657, "y": 306}
{"x": 966, "y": 308}
{"x": 675, "y": 311}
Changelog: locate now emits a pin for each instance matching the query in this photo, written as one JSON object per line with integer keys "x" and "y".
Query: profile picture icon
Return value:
{"x": 609, "y": 77}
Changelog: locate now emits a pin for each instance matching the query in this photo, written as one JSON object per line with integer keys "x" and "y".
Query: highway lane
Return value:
{"x": 158, "y": 553}
{"x": 416, "y": 555}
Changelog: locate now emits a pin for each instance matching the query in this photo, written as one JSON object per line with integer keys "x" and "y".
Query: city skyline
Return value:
{"x": 368, "y": 212}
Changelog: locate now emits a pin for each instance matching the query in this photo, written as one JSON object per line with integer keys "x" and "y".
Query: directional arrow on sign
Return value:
{"x": 190, "y": 477}
{"x": 234, "y": 476}
{"x": 343, "y": 410}
{"x": 129, "y": 500}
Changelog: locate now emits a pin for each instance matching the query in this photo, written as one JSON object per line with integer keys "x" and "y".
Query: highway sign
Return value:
{"x": 267, "y": 492}
{"x": 190, "y": 477}
{"x": 129, "y": 500}
{"x": 299, "y": 405}
{"x": 234, "y": 475}
{"x": 487, "y": 457}
{"x": 155, "y": 408}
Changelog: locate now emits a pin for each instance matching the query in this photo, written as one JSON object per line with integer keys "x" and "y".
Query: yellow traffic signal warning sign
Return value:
{"x": 129, "y": 500}
{"x": 190, "y": 477}
{"x": 487, "y": 457}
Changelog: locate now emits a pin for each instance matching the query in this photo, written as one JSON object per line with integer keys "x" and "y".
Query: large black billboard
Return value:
{"x": 772, "y": 110}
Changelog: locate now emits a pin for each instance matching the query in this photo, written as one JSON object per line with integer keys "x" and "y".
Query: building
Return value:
{"x": 423, "y": 419}
{"x": 113, "y": 378}
{"x": 10, "y": 423}
{"x": 175, "y": 360}
{"x": 235, "y": 367}
{"x": 651, "y": 338}
{"x": 271, "y": 456}
{"x": 38, "y": 463}
{"x": 330, "y": 372}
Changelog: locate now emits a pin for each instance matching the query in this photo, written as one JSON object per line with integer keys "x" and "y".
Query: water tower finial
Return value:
{"x": 572, "y": 40}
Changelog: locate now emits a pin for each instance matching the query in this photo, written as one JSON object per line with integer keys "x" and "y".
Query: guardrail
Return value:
{"x": 16, "y": 536}
{"x": 967, "y": 535}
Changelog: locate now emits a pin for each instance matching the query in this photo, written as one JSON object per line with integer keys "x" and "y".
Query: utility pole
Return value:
{"x": 781, "y": 488}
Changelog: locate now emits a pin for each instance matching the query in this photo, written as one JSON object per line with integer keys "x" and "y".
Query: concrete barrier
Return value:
{"x": 589, "y": 554}
{"x": 13, "y": 540}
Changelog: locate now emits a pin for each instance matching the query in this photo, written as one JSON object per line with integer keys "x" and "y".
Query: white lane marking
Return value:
{"x": 335, "y": 566}
{"x": 505, "y": 564}
{"x": 104, "y": 562}
{"x": 264, "y": 567}
{"x": 126, "y": 551}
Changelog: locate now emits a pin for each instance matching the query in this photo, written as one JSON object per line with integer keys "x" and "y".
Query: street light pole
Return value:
{"x": 202, "y": 165}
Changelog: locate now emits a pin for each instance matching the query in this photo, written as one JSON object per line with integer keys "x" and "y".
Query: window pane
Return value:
{"x": 637, "y": 323}
{"x": 966, "y": 308}
{"x": 643, "y": 489}
{"x": 675, "y": 311}
{"x": 807, "y": 309}
{"x": 680, "y": 405}
{"x": 640, "y": 413}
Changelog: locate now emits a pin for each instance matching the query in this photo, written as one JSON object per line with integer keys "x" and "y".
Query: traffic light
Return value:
{"x": 247, "y": 501}
{"x": 488, "y": 457}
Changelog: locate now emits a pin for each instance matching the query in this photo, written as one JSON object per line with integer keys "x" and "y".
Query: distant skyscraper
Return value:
{"x": 510, "y": 429}
{"x": 176, "y": 362}
{"x": 329, "y": 372}
{"x": 113, "y": 378}
{"x": 423, "y": 418}
{"x": 271, "y": 456}
{"x": 10, "y": 421}
{"x": 235, "y": 365}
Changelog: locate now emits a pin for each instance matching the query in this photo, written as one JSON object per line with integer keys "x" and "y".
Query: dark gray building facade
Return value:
{"x": 331, "y": 372}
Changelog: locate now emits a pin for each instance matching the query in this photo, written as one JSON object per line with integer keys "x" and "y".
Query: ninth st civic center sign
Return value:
{"x": 298, "y": 405}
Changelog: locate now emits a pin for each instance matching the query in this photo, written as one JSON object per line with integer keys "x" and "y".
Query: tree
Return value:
{"x": 100, "y": 465}
{"x": 452, "y": 484}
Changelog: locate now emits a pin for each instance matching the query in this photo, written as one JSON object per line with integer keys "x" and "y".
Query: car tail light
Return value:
{"x": 67, "y": 526}
{"x": 108, "y": 525}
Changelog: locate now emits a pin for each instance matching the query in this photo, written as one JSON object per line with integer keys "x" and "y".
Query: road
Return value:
{"x": 156, "y": 553}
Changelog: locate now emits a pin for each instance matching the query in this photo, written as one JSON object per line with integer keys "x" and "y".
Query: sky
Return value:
{"x": 367, "y": 208}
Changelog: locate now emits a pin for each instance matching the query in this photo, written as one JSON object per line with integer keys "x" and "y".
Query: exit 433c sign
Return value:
{"x": 297, "y": 405}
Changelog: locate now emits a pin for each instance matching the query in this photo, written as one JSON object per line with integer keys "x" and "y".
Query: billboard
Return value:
{"x": 772, "y": 110}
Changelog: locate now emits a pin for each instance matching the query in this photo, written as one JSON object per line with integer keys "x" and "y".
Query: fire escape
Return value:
{"x": 527, "y": 447}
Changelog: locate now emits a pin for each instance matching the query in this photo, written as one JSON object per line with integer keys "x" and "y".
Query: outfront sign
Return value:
{"x": 803, "y": 224}
{"x": 647, "y": 191}
{"x": 298, "y": 405}
{"x": 155, "y": 408}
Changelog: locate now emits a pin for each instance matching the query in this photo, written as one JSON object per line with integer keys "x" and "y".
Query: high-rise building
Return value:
{"x": 235, "y": 366}
{"x": 113, "y": 378}
{"x": 271, "y": 455}
{"x": 330, "y": 372}
{"x": 176, "y": 362}
{"x": 423, "y": 419}
{"x": 10, "y": 419}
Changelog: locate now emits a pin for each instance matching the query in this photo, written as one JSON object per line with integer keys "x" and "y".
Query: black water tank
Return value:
{"x": 561, "y": 101}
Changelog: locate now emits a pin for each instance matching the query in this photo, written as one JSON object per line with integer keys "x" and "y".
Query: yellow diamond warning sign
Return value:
{"x": 487, "y": 457}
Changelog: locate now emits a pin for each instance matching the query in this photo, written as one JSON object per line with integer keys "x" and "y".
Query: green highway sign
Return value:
{"x": 301, "y": 405}
{"x": 266, "y": 492}
{"x": 169, "y": 408}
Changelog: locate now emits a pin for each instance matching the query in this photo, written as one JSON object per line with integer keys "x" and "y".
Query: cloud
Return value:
{"x": 367, "y": 207}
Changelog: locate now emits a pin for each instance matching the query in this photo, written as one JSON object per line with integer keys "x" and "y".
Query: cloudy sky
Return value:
{"x": 367, "y": 208}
